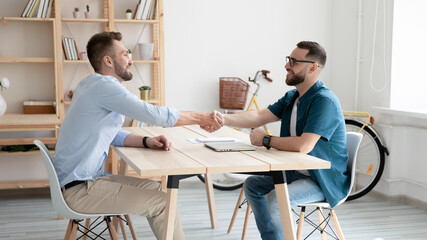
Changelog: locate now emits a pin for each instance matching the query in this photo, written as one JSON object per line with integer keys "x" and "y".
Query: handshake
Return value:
{"x": 211, "y": 122}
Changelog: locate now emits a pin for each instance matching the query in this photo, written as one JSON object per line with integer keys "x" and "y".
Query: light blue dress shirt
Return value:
{"x": 94, "y": 122}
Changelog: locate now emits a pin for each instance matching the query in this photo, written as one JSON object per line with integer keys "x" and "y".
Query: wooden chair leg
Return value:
{"x": 236, "y": 209}
{"x": 73, "y": 230}
{"x": 111, "y": 228}
{"x": 116, "y": 221}
{"x": 69, "y": 228}
{"x": 87, "y": 225}
{"x": 245, "y": 224}
{"x": 301, "y": 223}
{"x": 337, "y": 225}
{"x": 130, "y": 225}
{"x": 321, "y": 219}
{"x": 122, "y": 227}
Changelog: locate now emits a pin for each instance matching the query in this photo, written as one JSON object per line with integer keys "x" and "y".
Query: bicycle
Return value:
{"x": 371, "y": 154}
{"x": 233, "y": 94}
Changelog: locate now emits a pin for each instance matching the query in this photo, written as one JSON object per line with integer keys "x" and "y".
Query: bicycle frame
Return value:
{"x": 261, "y": 73}
{"x": 353, "y": 114}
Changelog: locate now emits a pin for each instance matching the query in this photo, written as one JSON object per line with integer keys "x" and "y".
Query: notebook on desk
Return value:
{"x": 230, "y": 146}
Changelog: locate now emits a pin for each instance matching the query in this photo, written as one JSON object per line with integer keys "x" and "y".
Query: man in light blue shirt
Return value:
{"x": 94, "y": 122}
{"x": 311, "y": 122}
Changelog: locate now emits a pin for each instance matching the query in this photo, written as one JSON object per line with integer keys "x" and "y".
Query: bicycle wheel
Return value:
{"x": 226, "y": 181}
{"x": 370, "y": 159}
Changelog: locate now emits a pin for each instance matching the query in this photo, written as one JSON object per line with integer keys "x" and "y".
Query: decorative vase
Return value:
{"x": 3, "y": 105}
{"x": 145, "y": 94}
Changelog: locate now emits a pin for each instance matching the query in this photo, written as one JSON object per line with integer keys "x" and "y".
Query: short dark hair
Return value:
{"x": 99, "y": 45}
{"x": 315, "y": 52}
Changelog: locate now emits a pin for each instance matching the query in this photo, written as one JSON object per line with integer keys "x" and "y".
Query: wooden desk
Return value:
{"x": 186, "y": 158}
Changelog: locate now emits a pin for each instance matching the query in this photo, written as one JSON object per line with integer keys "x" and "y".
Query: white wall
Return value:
{"x": 403, "y": 135}
{"x": 206, "y": 40}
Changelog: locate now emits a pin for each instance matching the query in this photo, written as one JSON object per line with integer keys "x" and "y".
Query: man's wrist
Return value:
{"x": 266, "y": 141}
{"x": 144, "y": 142}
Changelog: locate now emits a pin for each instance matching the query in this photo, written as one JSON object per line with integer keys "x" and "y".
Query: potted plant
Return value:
{"x": 128, "y": 14}
{"x": 87, "y": 13}
{"x": 145, "y": 92}
{"x": 76, "y": 13}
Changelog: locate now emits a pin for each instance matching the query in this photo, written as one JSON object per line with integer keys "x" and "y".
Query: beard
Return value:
{"x": 296, "y": 79}
{"x": 122, "y": 72}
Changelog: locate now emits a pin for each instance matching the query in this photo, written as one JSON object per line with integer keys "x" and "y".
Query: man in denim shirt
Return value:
{"x": 311, "y": 122}
{"x": 94, "y": 122}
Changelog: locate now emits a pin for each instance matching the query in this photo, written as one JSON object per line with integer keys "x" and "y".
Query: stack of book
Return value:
{"x": 70, "y": 49}
{"x": 145, "y": 10}
{"x": 44, "y": 8}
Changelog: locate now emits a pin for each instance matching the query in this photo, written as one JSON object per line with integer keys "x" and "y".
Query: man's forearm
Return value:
{"x": 189, "y": 118}
{"x": 249, "y": 119}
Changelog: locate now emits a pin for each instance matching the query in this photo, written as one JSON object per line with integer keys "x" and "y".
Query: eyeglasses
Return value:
{"x": 292, "y": 61}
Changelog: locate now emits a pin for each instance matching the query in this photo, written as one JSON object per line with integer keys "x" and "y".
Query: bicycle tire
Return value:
{"x": 222, "y": 186}
{"x": 370, "y": 159}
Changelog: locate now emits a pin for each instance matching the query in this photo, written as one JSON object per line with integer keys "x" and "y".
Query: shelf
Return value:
{"x": 152, "y": 101}
{"x": 85, "y": 20}
{"x": 39, "y": 183}
{"x": 75, "y": 61}
{"x": 146, "y": 61}
{"x": 26, "y": 122}
{"x": 26, "y": 60}
{"x": 135, "y": 21}
{"x": 22, "y": 19}
{"x": 4, "y": 153}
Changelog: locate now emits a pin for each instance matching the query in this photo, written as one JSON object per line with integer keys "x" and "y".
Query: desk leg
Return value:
{"x": 168, "y": 226}
{"x": 170, "y": 211}
{"x": 284, "y": 205}
{"x": 123, "y": 167}
{"x": 211, "y": 199}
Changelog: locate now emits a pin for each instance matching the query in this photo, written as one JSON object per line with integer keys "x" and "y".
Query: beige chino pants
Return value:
{"x": 123, "y": 194}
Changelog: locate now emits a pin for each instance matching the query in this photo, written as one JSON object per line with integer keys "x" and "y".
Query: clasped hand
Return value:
{"x": 212, "y": 121}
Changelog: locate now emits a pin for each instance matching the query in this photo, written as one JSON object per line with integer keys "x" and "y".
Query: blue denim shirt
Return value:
{"x": 319, "y": 112}
{"x": 94, "y": 122}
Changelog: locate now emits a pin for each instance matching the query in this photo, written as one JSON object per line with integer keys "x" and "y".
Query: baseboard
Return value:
{"x": 400, "y": 199}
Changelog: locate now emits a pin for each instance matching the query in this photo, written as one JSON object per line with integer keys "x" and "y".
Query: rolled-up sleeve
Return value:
{"x": 119, "y": 139}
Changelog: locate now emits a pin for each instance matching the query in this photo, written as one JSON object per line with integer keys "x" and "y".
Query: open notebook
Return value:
{"x": 230, "y": 146}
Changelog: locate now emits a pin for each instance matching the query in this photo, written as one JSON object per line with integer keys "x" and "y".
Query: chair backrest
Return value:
{"x": 58, "y": 201}
{"x": 353, "y": 142}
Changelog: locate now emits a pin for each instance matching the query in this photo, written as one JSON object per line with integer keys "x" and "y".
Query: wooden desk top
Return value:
{"x": 148, "y": 162}
{"x": 278, "y": 160}
{"x": 189, "y": 158}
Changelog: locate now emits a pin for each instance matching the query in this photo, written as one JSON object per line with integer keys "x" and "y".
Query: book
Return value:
{"x": 138, "y": 13}
{"x": 45, "y": 7}
{"x": 152, "y": 14}
{"x": 27, "y": 13}
{"x": 146, "y": 9}
{"x": 76, "y": 49}
{"x": 64, "y": 47}
{"x": 71, "y": 47}
{"x": 24, "y": 12}
{"x": 40, "y": 10}
{"x": 49, "y": 9}
{"x": 33, "y": 8}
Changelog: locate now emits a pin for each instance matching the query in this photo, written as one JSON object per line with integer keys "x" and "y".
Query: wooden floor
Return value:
{"x": 366, "y": 218}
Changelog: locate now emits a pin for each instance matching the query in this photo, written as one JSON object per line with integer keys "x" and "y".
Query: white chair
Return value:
{"x": 353, "y": 143}
{"x": 62, "y": 208}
